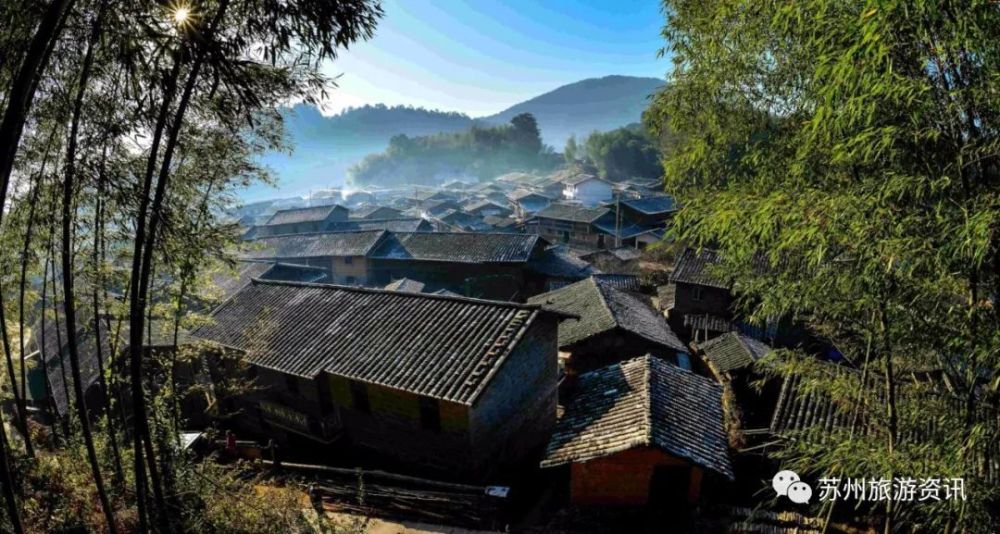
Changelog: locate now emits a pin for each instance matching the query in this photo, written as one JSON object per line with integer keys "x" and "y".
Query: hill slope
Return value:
{"x": 579, "y": 108}
{"x": 325, "y": 147}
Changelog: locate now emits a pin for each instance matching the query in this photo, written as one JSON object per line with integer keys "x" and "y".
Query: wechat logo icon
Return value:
{"x": 788, "y": 484}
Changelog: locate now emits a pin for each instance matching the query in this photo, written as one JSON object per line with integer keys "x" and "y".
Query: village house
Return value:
{"x": 696, "y": 301}
{"x": 375, "y": 212}
{"x": 526, "y": 203}
{"x": 640, "y": 432}
{"x": 399, "y": 224}
{"x": 611, "y": 325}
{"x": 343, "y": 254}
{"x": 573, "y": 224}
{"x": 394, "y": 372}
{"x": 486, "y": 265}
{"x": 588, "y": 190}
{"x": 648, "y": 210}
{"x": 731, "y": 358}
{"x": 302, "y": 220}
{"x": 558, "y": 268}
{"x": 485, "y": 208}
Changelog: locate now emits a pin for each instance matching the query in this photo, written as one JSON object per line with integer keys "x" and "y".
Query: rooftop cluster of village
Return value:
{"x": 492, "y": 333}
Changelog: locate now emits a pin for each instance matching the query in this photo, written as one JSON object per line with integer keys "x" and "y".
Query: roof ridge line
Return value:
{"x": 358, "y": 289}
{"x": 648, "y": 412}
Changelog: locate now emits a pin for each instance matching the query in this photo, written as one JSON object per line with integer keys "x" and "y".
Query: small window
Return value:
{"x": 359, "y": 396}
{"x": 430, "y": 414}
{"x": 698, "y": 293}
{"x": 292, "y": 384}
{"x": 349, "y": 259}
{"x": 351, "y": 280}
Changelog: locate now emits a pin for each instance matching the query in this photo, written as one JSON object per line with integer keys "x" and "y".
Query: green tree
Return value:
{"x": 571, "y": 151}
{"x": 624, "y": 153}
{"x": 851, "y": 147}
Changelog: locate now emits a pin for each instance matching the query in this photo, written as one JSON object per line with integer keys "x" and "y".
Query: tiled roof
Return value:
{"x": 571, "y": 212}
{"x": 651, "y": 205}
{"x": 733, "y": 350}
{"x": 401, "y": 224}
{"x": 314, "y": 245}
{"x": 367, "y": 212}
{"x": 580, "y": 178}
{"x": 228, "y": 281}
{"x": 437, "y": 346}
{"x": 628, "y": 282}
{"x": 558, "y": 263}
{"x": 301, "y": 215}
{"x": 458, "y": 247}
{"x": 500, "y": 222}
{"x": 693, "y": 266}
{"x": 643, "y": 402}
{"x": 56, "y": 356}
{"x": 521, "y": 194}
{"x": 479, "y": 204}
{"x": 601, "y": 308}
{"x": 406, "y": 284}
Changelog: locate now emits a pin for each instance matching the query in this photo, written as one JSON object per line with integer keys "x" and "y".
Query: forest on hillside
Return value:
{"x": 480, "y": 152}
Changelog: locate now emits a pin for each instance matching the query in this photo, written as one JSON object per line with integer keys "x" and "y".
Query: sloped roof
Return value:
{"x": 580, "y": 178}
{"x": 437, "y": 346}
{"x": 228, "y": 281}
{"x": 627, "y": 282}
{"x": 406, "y": 284}
{"x": 601, "y": 308}
{"x": 733, "y": 350}
{"x": 643, "y": 402}
{"x": 401, "y": 224}
{"x": 367, "y": 212}
{"x": 521, "y": 194}
{"x": 301, "y": 215}
{"x": 458, "y": 247}
{"x": 652, "y": 205}
{"x": 485, "y": 203}
{"x": 693, "y": 268}
{"x": 572, "y": 212}
{"x": 358, "y": 243}
{"x": 557, "y": 262}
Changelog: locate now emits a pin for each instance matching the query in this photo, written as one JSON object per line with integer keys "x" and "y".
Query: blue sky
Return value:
{"x": 481, "y": 56}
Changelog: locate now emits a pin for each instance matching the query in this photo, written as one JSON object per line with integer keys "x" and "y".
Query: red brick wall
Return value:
{"x": 622, "y": 479}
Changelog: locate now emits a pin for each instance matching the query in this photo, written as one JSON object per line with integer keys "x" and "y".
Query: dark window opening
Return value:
{"x": 292, "y": 383}
{"x": 359, "y": 397}
{"x": 349, "y": 260}
{"x": 430, "y": 414}
{"x": 697, "y": 293}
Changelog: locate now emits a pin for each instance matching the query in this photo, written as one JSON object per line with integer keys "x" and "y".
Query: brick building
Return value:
{"x": 641, "y": 432}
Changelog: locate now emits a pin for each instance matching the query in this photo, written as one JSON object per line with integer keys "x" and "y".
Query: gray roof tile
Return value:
{"x": 643, "y": 402}
{"x": 437, "y": 346}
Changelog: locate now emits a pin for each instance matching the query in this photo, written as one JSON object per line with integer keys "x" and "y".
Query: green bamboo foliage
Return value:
{"x": 854, "y": 147}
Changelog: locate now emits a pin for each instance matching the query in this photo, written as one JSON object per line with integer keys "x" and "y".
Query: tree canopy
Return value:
{"x": 853, "y": 148}
{"x": 481, "y": 152}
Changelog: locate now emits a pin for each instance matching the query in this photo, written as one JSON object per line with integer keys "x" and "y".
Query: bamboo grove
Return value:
{"x": 844, "y": 157}
{"x": 126, "y": 128}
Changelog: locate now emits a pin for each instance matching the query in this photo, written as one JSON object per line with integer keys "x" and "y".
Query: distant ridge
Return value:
{"x": 325, "y": 147}
{"x": 579, "y": 108}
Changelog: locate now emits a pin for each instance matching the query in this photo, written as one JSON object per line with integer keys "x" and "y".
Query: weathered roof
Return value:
{"x": 557, "y": 262}
{"x": 572, "y": 212}
{"x": 301, "y": 215}
{"x": 522, "y": 194}
{"x": 652, "y": 205}
{"x": 733, "y": 350}
{"x": 406, "y": 284}
{"x": 458, "y": 247}
{"x": 485, "y": 203}
{"x": 228, "y": 281}
{"x": 382, "y": 211}
{"x": 314, "y": 245}
{"x": 602, "y": 308}
{"x": 693, "y": 268}
{"x": 437, "y": 346}
{"x": 628, "y": 282}
{"x": 643, "y": 402}
{"x": 580, "y": 178}
{"x": 401, "y": 224}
